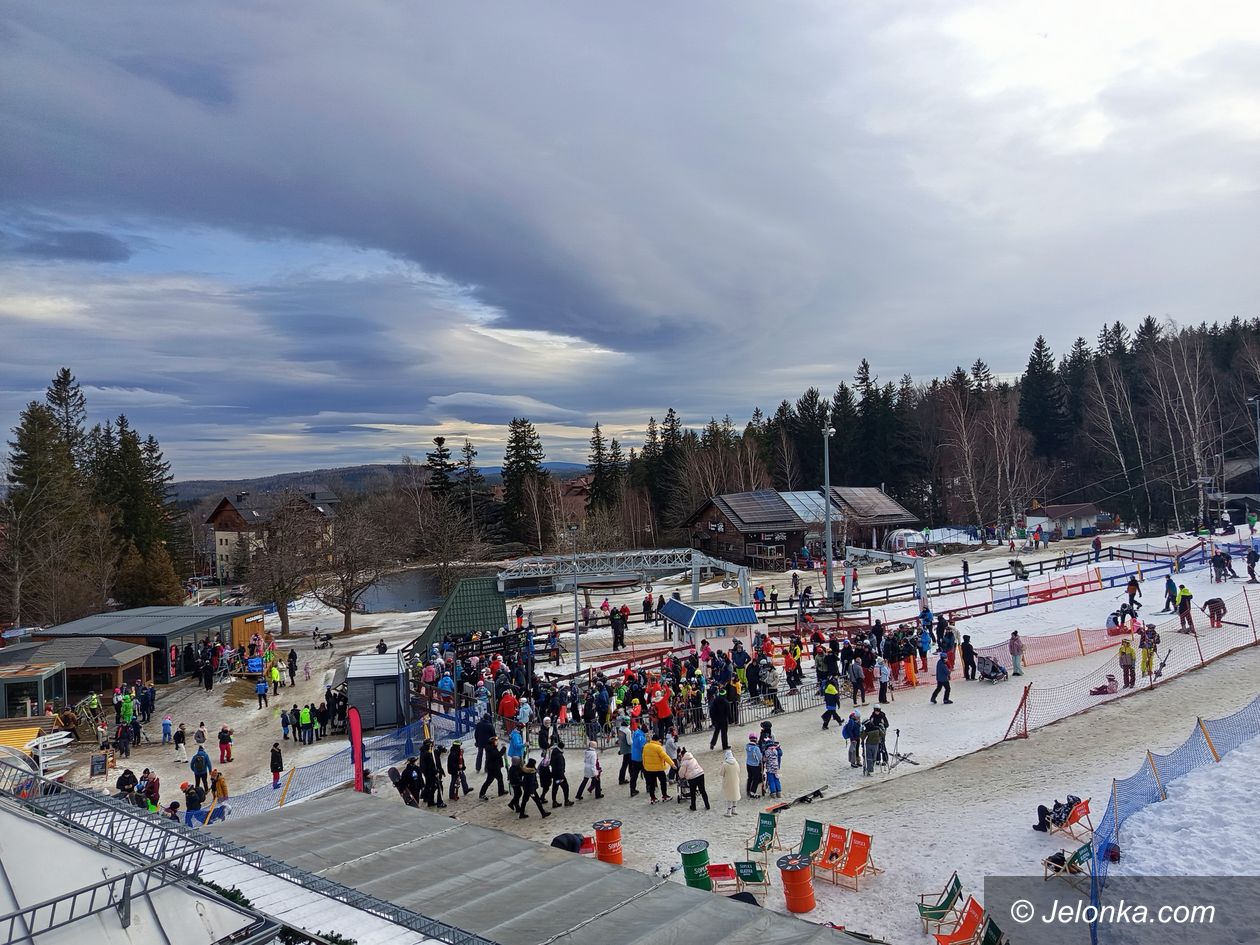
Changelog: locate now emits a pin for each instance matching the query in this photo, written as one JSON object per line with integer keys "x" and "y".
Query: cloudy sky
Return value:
{"x": 281, "y": 237}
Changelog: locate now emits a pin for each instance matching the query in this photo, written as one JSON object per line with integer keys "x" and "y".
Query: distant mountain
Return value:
{"x": 365, "y": 478}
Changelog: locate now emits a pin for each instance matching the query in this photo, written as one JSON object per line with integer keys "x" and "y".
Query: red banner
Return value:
{"x": 354, "y": 726}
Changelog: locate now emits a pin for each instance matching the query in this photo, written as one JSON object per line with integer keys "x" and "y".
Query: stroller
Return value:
{"x": 990, "y": 669}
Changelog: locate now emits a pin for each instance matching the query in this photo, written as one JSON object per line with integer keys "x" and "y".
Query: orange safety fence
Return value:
{"x": 1177, "y": 653}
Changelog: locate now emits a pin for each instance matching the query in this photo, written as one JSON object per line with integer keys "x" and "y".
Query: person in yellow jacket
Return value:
{"x": 655, "y": 763}
{"x": 273, "y": 673}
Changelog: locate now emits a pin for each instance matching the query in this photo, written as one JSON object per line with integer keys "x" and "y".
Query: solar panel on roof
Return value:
{"x": 757, "y": 508}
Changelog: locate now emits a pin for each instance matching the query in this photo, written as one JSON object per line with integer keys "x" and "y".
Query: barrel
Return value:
{"x": 695, "y": 861}
{"x": 608, "y": 841}
{"x": 798, "y": 881}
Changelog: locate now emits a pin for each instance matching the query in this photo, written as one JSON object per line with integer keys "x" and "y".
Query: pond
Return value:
{"x": 407, "y": 591}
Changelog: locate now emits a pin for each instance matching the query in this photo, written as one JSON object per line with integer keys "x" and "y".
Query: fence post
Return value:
{"x": 1150, "y": 760}
{"x": 1208, "y": 738}
{"x": 1080, "y": 641}
{"x": 1251, "y": 619}
{"x": 1115, "y": 820}
{"x": 287, "y": 781}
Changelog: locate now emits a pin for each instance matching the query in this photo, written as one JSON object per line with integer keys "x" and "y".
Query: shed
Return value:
{"x": 1068, "y": 521}
{"x": 722, "y": 623}
{"x": 173, "y": 630}
{"x": 93, "y": 664}
{"x": 376, "y": 684}
{"x": 26, "y": 687}
{"x": 475, "y": 605}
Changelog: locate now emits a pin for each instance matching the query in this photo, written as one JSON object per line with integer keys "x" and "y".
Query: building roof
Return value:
{"x": 25, "y": 670}
{"x": 761, "y": 511}
{"x": 505, "y": 888}
{"x": 704, "y": 616}
{"x": 79, "y": 652}
{"x": 257, "y": 510}
{"x": 55, "y": 861}
{"x": 866, "y": 506}
{"x": 149, "y": 622}
{"x": 1080, "y": 510}
{"x": 373, "y": 665}
{"x": 474, "y": 605}
{"x": 810, "y": 507}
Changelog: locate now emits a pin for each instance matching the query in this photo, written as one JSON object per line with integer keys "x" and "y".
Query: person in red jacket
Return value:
{"x": 509, "y": 705}
{"x": 662, "y": 705}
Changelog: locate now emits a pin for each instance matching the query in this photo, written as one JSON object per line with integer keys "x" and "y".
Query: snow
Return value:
{"x": 1199, "y": 823}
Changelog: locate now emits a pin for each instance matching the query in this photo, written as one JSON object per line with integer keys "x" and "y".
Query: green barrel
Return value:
{"x": 695, "y": 861}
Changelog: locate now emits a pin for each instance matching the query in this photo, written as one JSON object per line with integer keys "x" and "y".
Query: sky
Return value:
{"x": 282, "y": 238}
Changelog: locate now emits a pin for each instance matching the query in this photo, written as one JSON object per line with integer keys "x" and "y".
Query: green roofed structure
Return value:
{"x": 475, "y": 605}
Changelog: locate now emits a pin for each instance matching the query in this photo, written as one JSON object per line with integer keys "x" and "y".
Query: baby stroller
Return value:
{"x": 990, "y": 669}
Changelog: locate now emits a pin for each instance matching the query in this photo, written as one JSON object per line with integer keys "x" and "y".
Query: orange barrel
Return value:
{"x": 695, "y": 862}
{"x": 798, "y": 881}
{"x": 608, "y": 841}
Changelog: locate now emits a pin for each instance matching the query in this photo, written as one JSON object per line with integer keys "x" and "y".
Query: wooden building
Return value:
{"x": 239, "y": 524}
{"x": 93, "y": 664}
{"x": 775, "y": 531}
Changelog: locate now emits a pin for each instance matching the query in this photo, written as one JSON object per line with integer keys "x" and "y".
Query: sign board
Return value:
{"x": 100, "y": 765}
{"x": 717, "y": 526}
{"x": 255, "y": 618}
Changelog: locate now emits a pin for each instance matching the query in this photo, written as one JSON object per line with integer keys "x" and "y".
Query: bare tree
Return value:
{"x": 964, "y": 439}
{"x": 357, "y": 556}
{"x": 288, "y": 554}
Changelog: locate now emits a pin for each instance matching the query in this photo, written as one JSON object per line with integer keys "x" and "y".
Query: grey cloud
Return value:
{"x": 204, "y": 82}
{"x": 75, "y": 245}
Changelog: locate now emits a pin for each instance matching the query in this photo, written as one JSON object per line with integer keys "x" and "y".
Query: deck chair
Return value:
{"x": 990, "y": 934}
{"x": 831, "y": 857}
{"x": 1078, "y": 825}
{"x": 722, "y": 876}
{"x": 857, "y": 862}
{"x": 766, "y": 838}
{"x": 938, "y": 908}
{"x": 811, "y": 839}
{"x": 752, "y": 876}
{"x": 1073, "y": 868}
{"x": 967, "y": 928}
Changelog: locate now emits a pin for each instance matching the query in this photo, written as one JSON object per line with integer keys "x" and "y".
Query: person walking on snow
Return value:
{"x": 689, "y": 770}
{"x": 1016, "y": 649}
{"x": 942, "y": 679}
{"x": 591, "y": 771}
{"x": 1134, "y": 590}
{"x": 277, "y": 765}
{"x": 772, "y": 762}
{"x": 730, "y": 782}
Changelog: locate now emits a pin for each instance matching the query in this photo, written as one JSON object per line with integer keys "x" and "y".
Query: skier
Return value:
{"x": 1215, "y": 609}
{"x": 1134, "y": 590}
{"x": 1170, "y": 595}
{"x": 1147, "y": 645}
{"x": 1184, "y": 614}
{"x": 1252, "y": 557}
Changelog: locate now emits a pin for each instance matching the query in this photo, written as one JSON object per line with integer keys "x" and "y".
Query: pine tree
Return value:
{"x": 1042, "y": 410}
{"x": 525, "y": 484}
{"x": 131, "y": 583}
{"x": 616, "y": 470}
{"x": 441, "y": 469}
{"x": 471, "y": 480}
{"x": 162, "y": 584}
{"x": 65, "y": 399}
{"x": 981, "y": 376}
{"x": 600, "y": 494}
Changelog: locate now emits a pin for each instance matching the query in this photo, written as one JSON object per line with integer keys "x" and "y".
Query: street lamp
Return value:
{"x": 1254, "y": 400}
{"x": 828, "y": 432}
{"x": 577, "y": 631}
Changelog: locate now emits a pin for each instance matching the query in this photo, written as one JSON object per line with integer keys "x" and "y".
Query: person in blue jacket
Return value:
{"x": 752, "y": 761}
{"x": 637, "y": 741}
{"x": 446, "y": 683}
{"x": 925, "y": 647}
{"x": 516, "y": 747}
{"x": 852, "y": 733}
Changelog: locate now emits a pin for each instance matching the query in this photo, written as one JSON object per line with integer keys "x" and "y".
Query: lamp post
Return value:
{"x": 577, "y": 630}
{"x": 828, "y": 431}
{"x": 1254, "y": 400}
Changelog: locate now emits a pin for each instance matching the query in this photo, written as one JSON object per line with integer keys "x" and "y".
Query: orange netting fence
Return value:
{"x": 1177, "y": 652}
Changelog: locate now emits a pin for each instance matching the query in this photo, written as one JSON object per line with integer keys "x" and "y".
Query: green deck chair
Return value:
{"x": 938, "y": 908}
